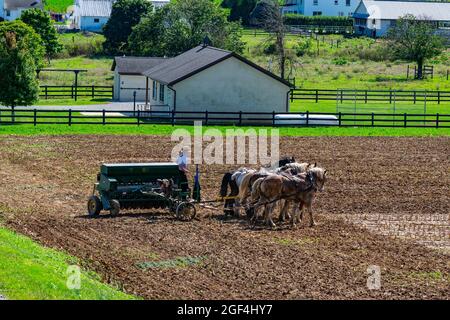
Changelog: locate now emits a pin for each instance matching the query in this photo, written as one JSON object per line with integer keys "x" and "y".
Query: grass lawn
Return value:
{"x": 349, "y": 66}
{"x": 98, "y": 72}
{"x": 31, "y": 271}
{"x": 71, "y": 102}
{"x": 154, "y": 129}
{"x": 58, "y": 6}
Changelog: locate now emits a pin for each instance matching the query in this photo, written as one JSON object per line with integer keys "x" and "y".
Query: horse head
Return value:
{"x": 318, "y": 177}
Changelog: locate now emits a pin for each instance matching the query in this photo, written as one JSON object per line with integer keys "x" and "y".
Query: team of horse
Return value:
{"x": 285, "y": 184}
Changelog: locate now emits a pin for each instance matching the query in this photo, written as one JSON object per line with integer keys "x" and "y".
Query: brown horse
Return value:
{"x": 299, "y": 189}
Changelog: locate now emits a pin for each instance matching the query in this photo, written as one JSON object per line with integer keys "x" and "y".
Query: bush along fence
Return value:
{"x": 139, "y": 116}
{"x": 388, "y": 96}
{"x": 73, "y": 92}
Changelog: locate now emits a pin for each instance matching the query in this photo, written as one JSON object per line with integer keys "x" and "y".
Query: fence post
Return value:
{"x": 414, "y": 96}
{"x": 307, "y": 118}
{"x": 240, "y": 118}
{"x": 404, "y": 119}
{"x": 70, "y": 117}
{"x": 342, "y": 96}
{"x": 365, "y": 97}
{"x": 35, "y": 117}
{"x": 439, "y": 97}
{"x": 93, "y": 91}
{"x": 390, "y": 96}
{"x": 292, "y": 95}
{"x": 317, "y": 96}
{"x": 373, "y": 119}
{"x": 13, "y": 114}
{"x": 340, "y": 118}
{"x": 273, "y": 118}
{"x": 139, "y": 117}
{"x": 437, "y": 120}
{"x": 173, "y": 118}
{"x": 134, "y": 103}
{"x": 103, "y": 116}
{"x": 46, "y": 92}
{"x": 206, "y": 117}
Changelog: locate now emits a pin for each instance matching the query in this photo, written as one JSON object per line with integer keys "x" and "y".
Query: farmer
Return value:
{"x": 182, "y": 166}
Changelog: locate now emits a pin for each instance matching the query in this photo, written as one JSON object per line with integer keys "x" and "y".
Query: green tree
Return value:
{"x": 125, "y": 15}
{"x": 18, "y": 83}
{"x": 27, "y": 37}
{"x": 240, "y": 9}
{"x": 41, "y": 23}
{"x": 413, "y": 39}
{"x": 267, "y": 15}
{"x": 182, "y": 25}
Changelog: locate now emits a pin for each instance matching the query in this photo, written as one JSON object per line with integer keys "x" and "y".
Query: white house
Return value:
{"x": 91, "y": 15}
{"x": 128, "y": 76}
{"x": 202, "y": 79}
{"x": 338, "y": 8}
{"x": 12, "y": 9}
{"x": 374, "y": 18}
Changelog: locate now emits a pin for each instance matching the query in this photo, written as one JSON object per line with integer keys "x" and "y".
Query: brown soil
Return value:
{"x": 386, "y": 203}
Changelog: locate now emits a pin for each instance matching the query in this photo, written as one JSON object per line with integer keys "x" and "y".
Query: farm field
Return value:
{"x": 385, "y": 203}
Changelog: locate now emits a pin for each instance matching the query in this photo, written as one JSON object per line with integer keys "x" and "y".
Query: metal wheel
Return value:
{"x": 115, "y": 207}
{"x": 94, "y": 206}
{"x": 186, "y": 211}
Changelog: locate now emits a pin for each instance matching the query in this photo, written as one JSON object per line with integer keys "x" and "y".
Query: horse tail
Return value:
{"x": 225, "y": 182}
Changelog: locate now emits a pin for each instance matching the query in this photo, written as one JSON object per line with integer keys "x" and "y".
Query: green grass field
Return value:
{"x": 155, "y": 129}
{"x": 58, "y": 6}
{"x": 31, "y": 271}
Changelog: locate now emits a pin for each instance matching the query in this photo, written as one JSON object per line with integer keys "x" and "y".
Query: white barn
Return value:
{"x": 202, "y": 79}
{"x": 374, "y": 18}
{"x": 12, "y": 9}
{"x": 91, "y": 15}
{"x": 338, "y": 8}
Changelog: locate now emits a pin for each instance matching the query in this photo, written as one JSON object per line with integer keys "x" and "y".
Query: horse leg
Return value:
{"x": 300, "y": 208}
{"x": 294, "y": 217}
{"x": 268, "y": 215}
{"x": 312, "y": 223}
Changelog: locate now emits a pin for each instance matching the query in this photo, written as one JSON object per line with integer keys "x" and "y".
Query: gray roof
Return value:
{"x": 135, "y": 65}
{"x": 95, "y": 8}
{"x": 186, "y": 63}
{"x": 15, "y": 4}
{"x": 194, "y": 61}
{"x": 392, "y": 10}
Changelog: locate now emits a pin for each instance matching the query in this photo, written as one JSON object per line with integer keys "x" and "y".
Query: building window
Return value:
{"x": 161, "y": 92}
{"x": 154, "y": 89}
{"x": 317, "y": 13}
{"x": 348, "y": 3}
{"x": 316, "y": 2}
{"x": 96, "y": 20}
{"x": 8, "y": 13}
{"x": 336, "y": 2}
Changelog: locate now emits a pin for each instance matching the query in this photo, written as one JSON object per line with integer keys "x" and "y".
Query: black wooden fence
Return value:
{"x": 16, "y": 116}
{"x": 366, "y": 96}
{"x": 73, "y": 92}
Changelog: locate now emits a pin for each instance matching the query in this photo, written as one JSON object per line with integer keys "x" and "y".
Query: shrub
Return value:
{"x": 302, "y": 47}
{"x": 298, "y": 19}
{"x": 339, "y": 61}
{"x": 270, "y": 48}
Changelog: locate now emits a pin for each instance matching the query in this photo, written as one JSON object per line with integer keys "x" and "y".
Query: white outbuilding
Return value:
{"x": 92, "y": 15}
{"x": 202, "y": 79}
{"x": 374, "y": 18}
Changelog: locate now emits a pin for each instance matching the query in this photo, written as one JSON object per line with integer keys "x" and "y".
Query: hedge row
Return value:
{"x": 300, "y": 20}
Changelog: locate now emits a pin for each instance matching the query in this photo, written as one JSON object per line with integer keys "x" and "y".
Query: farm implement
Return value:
{"x": 142, "y": 186}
